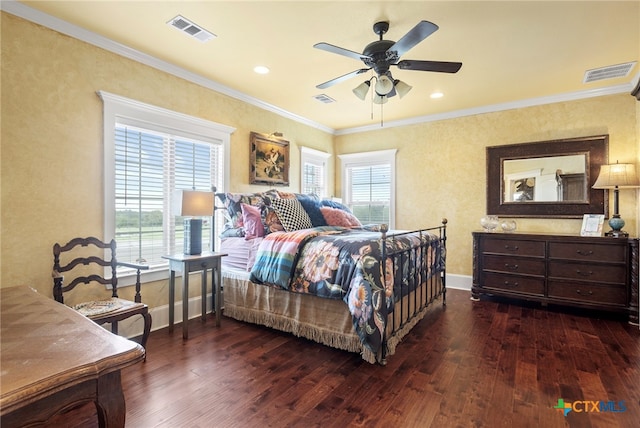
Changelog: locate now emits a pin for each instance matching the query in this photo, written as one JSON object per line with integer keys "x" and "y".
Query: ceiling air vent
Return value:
{"x": 324, "y": 98}
{"x": 609, "y": 72}
{"x": 192, "y": 29}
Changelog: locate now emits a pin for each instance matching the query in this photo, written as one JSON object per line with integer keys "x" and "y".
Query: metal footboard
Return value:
{"x": 422, "y": 279}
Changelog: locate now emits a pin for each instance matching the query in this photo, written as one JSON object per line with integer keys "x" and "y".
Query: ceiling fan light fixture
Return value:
{"x": 402, "y": 88}
{"x": 380, "y": 99}
{"x": 384, "y": 85}
{"x": 361, "y": 90}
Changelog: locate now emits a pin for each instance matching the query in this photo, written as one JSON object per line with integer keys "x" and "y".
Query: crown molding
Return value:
{"x": 18, "y": 9}
{"x": 531, "y": 102}
{"x": 15, "y": 8}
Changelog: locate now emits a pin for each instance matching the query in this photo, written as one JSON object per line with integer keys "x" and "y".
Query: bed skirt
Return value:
{"x": 326, "y": 321}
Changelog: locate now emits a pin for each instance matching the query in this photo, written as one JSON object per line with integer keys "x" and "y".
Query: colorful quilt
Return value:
{"x": 341, "y": 263}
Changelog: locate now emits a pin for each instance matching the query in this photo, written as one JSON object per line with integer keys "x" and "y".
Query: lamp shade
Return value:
{"x": 380, "y": 99}
{"x": 621, "y": 175}
{"x": 192, "y": 203}
{"x": 384, "y": 85}
{"x": 361, "y": 90}
{"x": 402, "y": 88}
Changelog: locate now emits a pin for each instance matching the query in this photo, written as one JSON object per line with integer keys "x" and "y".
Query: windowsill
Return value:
{"x": 129, "y": 279}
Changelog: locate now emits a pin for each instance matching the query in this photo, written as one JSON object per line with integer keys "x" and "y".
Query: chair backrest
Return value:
{"x": 107, "y": 258}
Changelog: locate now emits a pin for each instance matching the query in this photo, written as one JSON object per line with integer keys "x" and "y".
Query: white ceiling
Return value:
{"x": 512, "y": 52}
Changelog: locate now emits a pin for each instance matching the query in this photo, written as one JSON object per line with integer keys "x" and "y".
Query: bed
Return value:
{"x": 308, "y": 267}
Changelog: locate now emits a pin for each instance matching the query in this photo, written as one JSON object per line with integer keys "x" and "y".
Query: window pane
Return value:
{"x": 313, "y": 179}
{"x": 370, "y": 192}
{"x": 149, "y": 166}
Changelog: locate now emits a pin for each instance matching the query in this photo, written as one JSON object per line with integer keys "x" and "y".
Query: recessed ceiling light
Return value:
{"x": 261, "y": 69}
{"x": 437, "y": 95}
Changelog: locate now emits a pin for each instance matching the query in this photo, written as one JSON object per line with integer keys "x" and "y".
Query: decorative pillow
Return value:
{"x": 271, "y": 220}
{"x": 230, "y": 232}
{"x": 291, "y": 214}
{"x": 334, "y": 204}
{"x": 338, "y": 217}
{"x": 233, "y": 203}
{"x": 252, "y": 221}
{"x": 286, "y": 195}
{"x": 311, "y": 205}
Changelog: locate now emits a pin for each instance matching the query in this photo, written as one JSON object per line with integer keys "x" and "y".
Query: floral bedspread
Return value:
{"x": 340, "y": 263}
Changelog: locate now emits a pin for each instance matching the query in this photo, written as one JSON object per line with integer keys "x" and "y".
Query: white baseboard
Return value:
{"x": 459, "y": 282}
{"x": 134, "y": 326}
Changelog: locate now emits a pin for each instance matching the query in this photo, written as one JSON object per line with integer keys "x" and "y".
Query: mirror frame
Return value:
{"x": 596, "y": 149}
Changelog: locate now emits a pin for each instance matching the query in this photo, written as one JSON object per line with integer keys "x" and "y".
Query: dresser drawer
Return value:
{"x": 513, "y": 283}
{"x": 517, "y": 265}
{"x": 587, "y": 252}
{"x": 514, "y": 247}
{"x": 582, "y": 292}
{"x": 588, "y": 271}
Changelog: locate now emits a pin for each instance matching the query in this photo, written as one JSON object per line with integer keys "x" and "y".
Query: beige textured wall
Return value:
{"x": 51, "y": 167}
{"x": 52, "y": 153}
{"x": 441, "y": 165}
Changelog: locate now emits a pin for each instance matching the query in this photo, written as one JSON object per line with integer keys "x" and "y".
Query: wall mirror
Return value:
{"x": 547, "y": 178}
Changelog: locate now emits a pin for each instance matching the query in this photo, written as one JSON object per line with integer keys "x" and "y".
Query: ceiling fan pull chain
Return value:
{"x": 372, "y": 104}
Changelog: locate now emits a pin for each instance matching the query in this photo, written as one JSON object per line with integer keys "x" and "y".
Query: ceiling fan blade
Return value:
{"x": 340, "y": 51}
{"x": 438, "y": 66}
{"x": 417, "y": 34}
{"x": 342, "y": 78}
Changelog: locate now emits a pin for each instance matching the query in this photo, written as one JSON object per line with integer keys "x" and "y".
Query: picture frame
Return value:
{"x": 269, "y": 160}
{"x": 592, "y": 225}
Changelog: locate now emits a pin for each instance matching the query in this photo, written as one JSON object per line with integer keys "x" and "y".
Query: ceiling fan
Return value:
{"x": 381, "y": 54}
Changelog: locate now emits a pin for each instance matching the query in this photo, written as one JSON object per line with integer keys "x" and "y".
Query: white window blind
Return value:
{"x": 149, "y": 166}
{"x": 369, "y": 186}
{"x": 313, "y": 180}
{"x": 370, "y": 192}
{"x": 314, "y": 171}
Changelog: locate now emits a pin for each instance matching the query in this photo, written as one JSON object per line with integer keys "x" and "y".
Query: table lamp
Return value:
{"x": 617, "y": 176}
{"x": 190, "y": 204}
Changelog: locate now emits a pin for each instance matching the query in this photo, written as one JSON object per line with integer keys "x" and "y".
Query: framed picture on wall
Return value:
{"x": 592, "y": 225}
{"x": 269, "y": 162}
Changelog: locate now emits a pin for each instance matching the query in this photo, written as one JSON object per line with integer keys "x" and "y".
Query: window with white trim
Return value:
{"x": 368, "y": 183}
{"x": 314, "y": 171}
{"x": 149, "y": 153}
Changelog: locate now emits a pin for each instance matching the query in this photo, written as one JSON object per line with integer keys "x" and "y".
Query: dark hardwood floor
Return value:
{"x": 484, "y": 364}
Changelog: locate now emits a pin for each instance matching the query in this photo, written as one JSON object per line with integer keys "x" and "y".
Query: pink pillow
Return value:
{"x": 338, "y": 217}
{"x": 252, "y": 221}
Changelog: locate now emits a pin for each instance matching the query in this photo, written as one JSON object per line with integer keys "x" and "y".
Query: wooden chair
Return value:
{"x": 101, "y": 311}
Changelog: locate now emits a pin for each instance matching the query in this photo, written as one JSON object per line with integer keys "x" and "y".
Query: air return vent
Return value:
{"x": 324, "y": 98}
{"x": 609, "y": 72}
{"x": 192, "y": 29}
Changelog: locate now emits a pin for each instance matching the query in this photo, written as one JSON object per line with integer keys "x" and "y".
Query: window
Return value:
{"x": 314, "y": 171}
{"x": 149, "y": 153}
{"x": 368, "y": 185}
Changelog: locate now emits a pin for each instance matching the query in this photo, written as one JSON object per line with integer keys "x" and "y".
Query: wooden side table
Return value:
{"x": 186, "y": 264}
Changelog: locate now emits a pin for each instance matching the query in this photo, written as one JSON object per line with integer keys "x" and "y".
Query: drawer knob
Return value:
{"x": 584, "y": 273}
{"x": 511, "y": 248}
{"x": 511, "y": 267}
{"x": 511, "y": 284}
{"x": 582, "y": 293}
{"x": 584, "y": 253}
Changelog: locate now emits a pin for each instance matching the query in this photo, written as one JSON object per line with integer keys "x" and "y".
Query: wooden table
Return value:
{"x": 54, "y": 359}
{"x": 186, "y": 264}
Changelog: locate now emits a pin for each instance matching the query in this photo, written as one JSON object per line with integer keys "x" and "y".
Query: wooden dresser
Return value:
{"x": 588, "y": 272}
